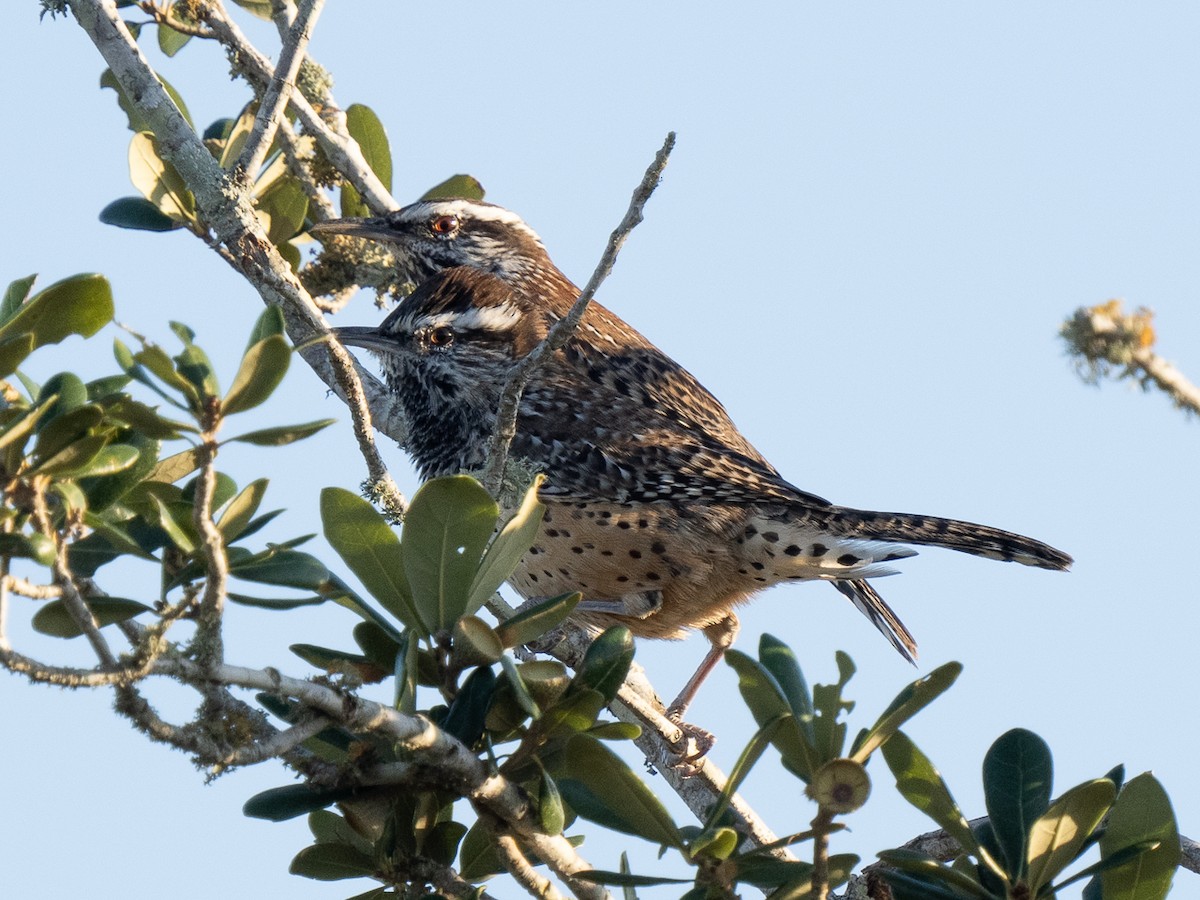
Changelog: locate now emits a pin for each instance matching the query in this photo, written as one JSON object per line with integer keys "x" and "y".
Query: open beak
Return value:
{"x": 371, "y": 229}
{"x": 364, "y": 336}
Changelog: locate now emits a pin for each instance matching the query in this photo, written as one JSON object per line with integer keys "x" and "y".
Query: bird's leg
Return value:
{"x": 721, "y": 636}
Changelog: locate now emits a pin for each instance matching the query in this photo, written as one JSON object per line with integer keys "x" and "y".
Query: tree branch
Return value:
{"x": 279, "y": 91}
{"x": 518, "y": 378}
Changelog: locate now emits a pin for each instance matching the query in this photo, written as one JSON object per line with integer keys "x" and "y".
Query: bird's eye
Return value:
{"x": 444, "y": 225}
{"x": 442, "y": 336}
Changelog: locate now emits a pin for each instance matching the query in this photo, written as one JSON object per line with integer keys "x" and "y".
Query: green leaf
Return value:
{"x": 600, "y": 787}
{"x": 445, "y": 532}
{"x": 171, "y": 41}
{"x": 173, "y": 468}
{"x": 261, "y": 371}
{"x": 330, "y": 828}
{"x": 332, "y": 862}
{"x": 283, "y": 207}
{"x": 193, "y": 363}
{"x": 278, "y": 603}
{"x": 530, "y": 706}
{"x": 54, "y": 619}
{"x": 455, "y": 186}
{"x": 1018, "y": 775}
{"x": 339, "y": 661}
{"x": 156, "y": 360}
{"x": 177, "y": 526}
{"x": 829, "y": 733}
{"x": 137, "y": 214}
{"x": 767, "y": 703}
{"x": 551, "y": 815}
{"x": 74, "y": 459}
{"x": 241, "y": 510}
{"x": 270, "y": 322}
{"x": 14, "y": 296}
{"x": 35, "y": 546}
{"x": 157, "y": 179}
{"x": 109, "y": 461}
{"x": 745, "y": 762}
{"x": 929, "y": 871}
{"x": 624, "y": 879}
{"x": 1142, "y": 813}
{"x": 606, "y": 663}
{"x": 13, "y": 351}
{"x": 477, "y": 856}
{"x": 259, "y": 8}
{"x": 907, "y": 704}
{"x": 370, "y": 548}
{"x": 81, "y": 304}
{"x": 507, "y": 548}
{"x": 364, "y": 126}
{"x": 137, "y": 122}
{"x": 1060, "y": 833}
{"x": 921, "y": 785}
{"x": 283, "y": 567}
{"x": 532, "y": 623}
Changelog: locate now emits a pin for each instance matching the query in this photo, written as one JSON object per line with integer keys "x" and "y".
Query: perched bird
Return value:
{"x": 657, "y": 508}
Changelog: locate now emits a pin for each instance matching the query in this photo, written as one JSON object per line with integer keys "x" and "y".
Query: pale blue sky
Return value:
{"x": 875, "y": 220}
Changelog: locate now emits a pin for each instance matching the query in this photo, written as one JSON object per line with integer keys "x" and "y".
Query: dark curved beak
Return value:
{"x": 376, "y": 229}
{"x": 365, "y": 336}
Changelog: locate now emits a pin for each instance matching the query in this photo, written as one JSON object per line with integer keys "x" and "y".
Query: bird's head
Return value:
{"x": 432, "y": 235}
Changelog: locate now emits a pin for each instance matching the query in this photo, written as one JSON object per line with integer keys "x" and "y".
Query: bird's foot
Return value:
{"x": 694, "y": 744}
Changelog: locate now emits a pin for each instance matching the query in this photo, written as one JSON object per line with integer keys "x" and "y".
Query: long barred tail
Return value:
{"x": 967, "y": 537}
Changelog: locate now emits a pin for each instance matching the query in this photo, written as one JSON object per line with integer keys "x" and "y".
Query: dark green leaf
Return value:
{"x": 778, "y": 659}
{"x": 606, "y": 662}
{"x": 364, "y": 126}
{"x": 624, "y": 879}
{"x": 261, "y": 371}
{"x": 330, "y": 828}
{"x": 13, "y": 351}
{"x": 175, "y": 467}
{"x": 600, "y": 787}
{"x": 455, "y": 186}
{"x": 745, "y": 762}
{"x": 828, "y": 703}
{"x": 270, "y": 322}
{"x": 467, "y": 712}
{"x": 33, "y": 546}
{"x": 54, "y": 619}
{"x": 138, "y": 214}
{"x": 369, "y": 546}
{"x": 376, "y": 643}
{"x": 1018, "y": 775}
{"x": 448, "y": 525}
{"x": 281, "y": 435}
{"x": 74, "y": 459}
{"x": 279, "y": 603}
{"x": 767, "y": 703}
{"x": 442, "y": 840}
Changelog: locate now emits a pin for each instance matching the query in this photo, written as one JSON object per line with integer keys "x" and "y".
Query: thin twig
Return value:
{"x": 534, "y": 883}
{"x": 279, "y": 90}
{"x": 518, "y": 378}
{"x": 341, "y": 149}
{"x": 212, "y": 545}
{"x": 26, "y": 588}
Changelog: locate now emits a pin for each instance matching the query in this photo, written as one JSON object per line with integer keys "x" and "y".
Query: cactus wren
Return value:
{"x": 657, "y": 508}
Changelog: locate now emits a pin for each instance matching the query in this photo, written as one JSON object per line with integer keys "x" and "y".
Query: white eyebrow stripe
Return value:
{"x": 487, "y": 318}
{"x": 466, "y": 209}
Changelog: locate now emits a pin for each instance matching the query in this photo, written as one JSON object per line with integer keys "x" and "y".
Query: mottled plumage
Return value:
{"x": 647, "y": 508}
